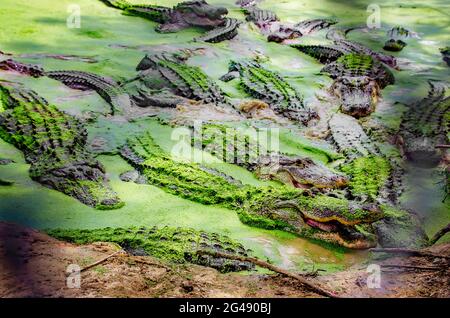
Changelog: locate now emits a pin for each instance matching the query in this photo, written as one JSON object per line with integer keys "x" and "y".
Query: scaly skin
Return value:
{"x": 28, "y": 69}
{"x": 394, "y": 45}
{"x": 358, "y": 80}
{"x": 323, "y": 54}
{"x": 54, "y": 145}
{"x": 196, "y": 13}
{"x": 271, "y": 88}
{"x": 165, "y": 71}
{"x": 319, "y": 217}
{"x": 107, "y": 88}
{"x": 328, "y": 54}
{"x": 353, "y": 47}
{"x": 426, "y": 124}
{"x": 238, "y": 147}
{"x": 226, "y": 32}
{"x": 373, "y": 176}
{"x": 176, "y": 245}
{"x": 299, "y": 29}
{"x": 247, "y": 3}
{"x": 261, "y": 18}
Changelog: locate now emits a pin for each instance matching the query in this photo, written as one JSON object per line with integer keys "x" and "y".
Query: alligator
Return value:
{"x": 396, "y": 34}
{"x": 168, "y": 71}
{"x": 164, "y": 80}
{"x": 342, "y": 46}
{"x": 358, "y": 78}
{"x": 445, "y": 54}
{"x": 425, "y": 125}
{"x": 225, "y": 32}
{"x": 176, "y": 245}
{"x": 261, "y": 18}
{"x": 320, "y": 217}
{"x": 268, "y": 22}
{"x": 238, "y": 147}
{"x": 300, "y": 29}
{"x": 247, "y": 3}
{"x": 54, "y": 144}
{"x": 373, "y": 175}
{"x": 6, "y": 161}
{"x": 196, "y": 13}
{"x": 106, "y": 87}
{"x": 394, "y": 45}
{"x": 27, "y": 69}
{"x": 271, "y": 88}
{"x": 400, "y": 32}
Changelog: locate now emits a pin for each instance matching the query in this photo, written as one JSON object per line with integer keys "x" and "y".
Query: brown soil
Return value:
{"x": 33, "y": 264}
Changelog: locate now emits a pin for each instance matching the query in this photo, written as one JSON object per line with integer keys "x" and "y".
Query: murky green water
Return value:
{"x": 118, "y": 42}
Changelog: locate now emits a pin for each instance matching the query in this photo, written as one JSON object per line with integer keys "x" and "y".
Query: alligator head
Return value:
{"x": 83, "y": 179}
{"x": 358, "y": 95}
{"x": 299, "y": 172}
{"x": 319, "y": 217}
{"x": 200, "y": 13}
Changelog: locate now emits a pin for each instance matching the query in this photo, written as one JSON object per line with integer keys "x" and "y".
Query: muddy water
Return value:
{"x": 118, "y": 42}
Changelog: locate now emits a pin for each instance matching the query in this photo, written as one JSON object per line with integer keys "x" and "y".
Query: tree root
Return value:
{"x": 101, "y": 261}
{"x": 408, "y": 252}
{"x": 412, "y": 267}
{"x": 440, "y": 234}
{"x": 311, "y": 286}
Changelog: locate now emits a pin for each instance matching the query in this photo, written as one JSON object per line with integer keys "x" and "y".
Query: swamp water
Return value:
{"x": 117, "y": 43}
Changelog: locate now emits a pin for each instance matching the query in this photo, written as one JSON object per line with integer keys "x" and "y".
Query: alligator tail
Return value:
{"x": 118, "y": 4}
{"x": 107, "y": 88}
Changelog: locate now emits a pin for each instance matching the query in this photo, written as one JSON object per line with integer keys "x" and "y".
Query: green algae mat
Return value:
{"x": 324, "y": 203}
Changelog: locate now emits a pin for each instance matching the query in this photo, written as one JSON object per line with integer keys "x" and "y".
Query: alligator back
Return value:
{"x": 350, "y": 138}
{"x": 354, "y": 47}
{"x": 107, "y": 88}
{"x": 177, "y": 245}
{"x": 271, "y": 88}
{"x": 323, "y": 54}
{"x": 54, "y": 143}
{"x": 226, "y": 32}
{"x": 28, "y": 69}
{"x": 357, "y": 65}
{"x": 260, "y": 17}
{"x": 188, "y": 81}
{"x": 314, "y": 25}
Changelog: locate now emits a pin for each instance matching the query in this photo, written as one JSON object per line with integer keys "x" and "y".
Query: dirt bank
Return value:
{"x": 34, "y": 264}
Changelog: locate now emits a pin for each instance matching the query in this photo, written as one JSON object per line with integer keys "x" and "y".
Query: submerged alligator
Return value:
{"x": 196, "y": 13}
{"x": 54, "y": 143}
{"x": 176, "y": 245}
{"x": 426, "y": 125}
{"x": 106, "y": 87}
{"x": 271, "y": 88}
{"x": 269, "y": 23}
{"x": 319, "y": 217}
{"x": 169, "y": 72}
{"x": 376, "y": 177}
{"x": 358, "y": 78}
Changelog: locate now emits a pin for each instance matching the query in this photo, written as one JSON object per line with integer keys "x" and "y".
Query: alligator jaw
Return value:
{"x": 331, "y": 230}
